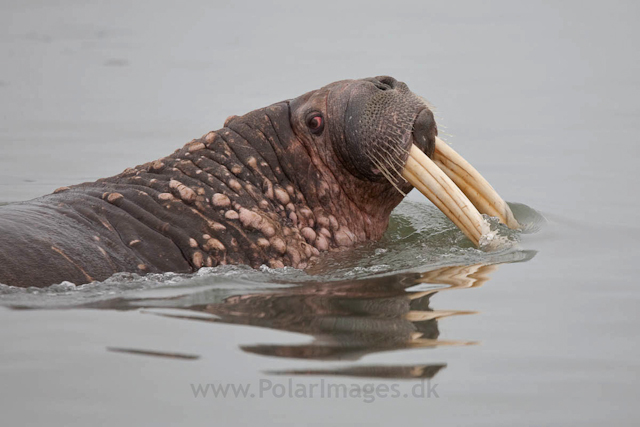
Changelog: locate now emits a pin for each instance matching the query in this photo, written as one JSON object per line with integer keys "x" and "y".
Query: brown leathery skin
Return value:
{"x": 263, "y": 190}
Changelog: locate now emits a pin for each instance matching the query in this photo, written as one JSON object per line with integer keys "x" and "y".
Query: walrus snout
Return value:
{"x": 425, "y": 131}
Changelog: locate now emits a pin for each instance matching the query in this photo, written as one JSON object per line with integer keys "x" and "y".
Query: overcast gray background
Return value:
{"x": 542, "y": 97}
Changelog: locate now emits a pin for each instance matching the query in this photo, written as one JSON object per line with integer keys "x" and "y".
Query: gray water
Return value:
{"x": 541, "y": 98}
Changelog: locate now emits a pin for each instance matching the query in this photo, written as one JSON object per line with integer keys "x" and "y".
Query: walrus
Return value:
{"x": 277, "y": 186}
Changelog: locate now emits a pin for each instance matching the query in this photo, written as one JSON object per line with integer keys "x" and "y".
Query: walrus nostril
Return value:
{"x": 384, "y": 82}
{"x": 389, "y": 81}
{"x": 382, "y": 86}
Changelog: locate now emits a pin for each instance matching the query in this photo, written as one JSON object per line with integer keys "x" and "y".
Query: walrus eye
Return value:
{"x": 315, "y": 123}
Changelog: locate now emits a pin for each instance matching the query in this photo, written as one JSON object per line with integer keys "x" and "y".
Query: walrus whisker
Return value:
{"x": 389, "y": 160}
{"x": 390, "y": 157}
{"x": 383, "y": 169}
{"x": 397, "y": 146}
{"x": 385, "y": 173}
{"x": 396, "y": 172}
{"x": 394, "y": 149}
{"x": 426, "y": 103}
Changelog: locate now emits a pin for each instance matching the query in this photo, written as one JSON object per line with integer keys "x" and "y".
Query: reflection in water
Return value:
{"x": 395, "y": 372}
{"x": 347, "y": 319}
{"x": 154, "y": 353}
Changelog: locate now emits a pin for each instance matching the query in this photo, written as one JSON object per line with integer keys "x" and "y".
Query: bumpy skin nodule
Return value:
{"x": 266, "y": 189}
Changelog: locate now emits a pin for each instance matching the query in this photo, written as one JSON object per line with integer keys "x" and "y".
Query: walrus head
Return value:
{"x": 378, "y": 140}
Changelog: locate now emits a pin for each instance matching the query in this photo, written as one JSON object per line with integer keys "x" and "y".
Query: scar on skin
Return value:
{"x": 197, "y": 259}
{"x": 231, "y": 214}
{"x": 235, "y": 185}
{"x": 325, "y": 232}
{"x": 142, "y": 267}
{"x": 226, "y": 122}
{"x": 307, "y": 250}
{"x": 254, "y": 221}
{"x": 210, "y": 137}
{"x": 156, "y": 166}
{"x": 309, "y": 234}
{"x": 323, "y": 221}
{"x": 274, "y": 263}
{"x": 267, "y": 189}
{"x": 215, "y": 226}
{"x": 107, "y": 225}
{"x": 60, "y": 190}
{"x": 114, "y": 197}
{"x": 214, "y": 244}
{"x": 249, "y": 218}
{"x": 294, "y": 255}
{"x": 263, "y": 243}
{"x": 59, "y": 251}
{"x": 185, "y": 193}
{"x": 220, "y": 200}
{"x": 322, "y": 243}
{"x": 196, "y": 146}
{"x": 344, "y": 238}
{"x": 108, "y": 258}
{"x": 134, "y": 242}
{"x": 251, "y": 189}
{"x": 282, "y": 196}
{"x": 306, "y": 213}
{"x": 279, "y": 245}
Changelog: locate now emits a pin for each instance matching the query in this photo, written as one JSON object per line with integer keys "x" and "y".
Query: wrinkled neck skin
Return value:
{"x": 252, "y": 193}
{"x": 361, "y": 207}
{"x": 324, "y": 199}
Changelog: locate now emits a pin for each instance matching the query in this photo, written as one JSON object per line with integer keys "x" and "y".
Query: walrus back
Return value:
{"x": 36, "y": 246}
{"x": 221, "y": 199}
{"x": 78, "y": 239}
